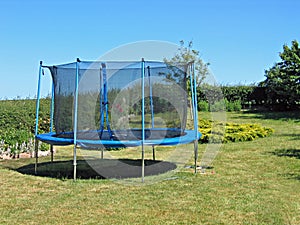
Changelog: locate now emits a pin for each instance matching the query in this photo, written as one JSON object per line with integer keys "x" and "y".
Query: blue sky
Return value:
{"x": 239, "y": 38}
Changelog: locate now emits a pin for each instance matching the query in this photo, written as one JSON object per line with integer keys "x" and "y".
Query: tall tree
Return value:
{"x": 283, "y": 79}
{"x": 186, "y": 54}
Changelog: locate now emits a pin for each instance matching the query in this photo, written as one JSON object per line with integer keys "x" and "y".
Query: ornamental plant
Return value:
{"x": 214, "y": 132}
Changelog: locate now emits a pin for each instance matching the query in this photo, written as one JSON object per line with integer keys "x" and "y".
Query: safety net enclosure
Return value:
{"x": 97, "y": 105}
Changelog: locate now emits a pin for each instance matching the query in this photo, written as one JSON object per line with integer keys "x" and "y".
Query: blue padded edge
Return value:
{"x": 185, "y": 139}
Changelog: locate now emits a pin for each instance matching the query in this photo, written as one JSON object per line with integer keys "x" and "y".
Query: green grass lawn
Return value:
{"x": 254, "y": 182}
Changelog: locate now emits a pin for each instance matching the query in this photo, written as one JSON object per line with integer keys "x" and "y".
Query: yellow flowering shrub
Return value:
{"x": 219, "y": 132}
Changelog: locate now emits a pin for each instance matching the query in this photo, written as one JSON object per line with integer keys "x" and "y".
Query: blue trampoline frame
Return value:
{"x": 51, "y": 138}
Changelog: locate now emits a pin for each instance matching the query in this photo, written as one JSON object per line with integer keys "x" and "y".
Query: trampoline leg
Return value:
{"x": 74, "y": 175}
{"x": 153, "y": 152}
{"x": 74, "y": 164}
{"x": 143, "y": 163}
{"x": 196, "y": 154}
{"x": 102, "y": 153}
{"x": 36, "y": 154}
{"x": 51, "y": 151}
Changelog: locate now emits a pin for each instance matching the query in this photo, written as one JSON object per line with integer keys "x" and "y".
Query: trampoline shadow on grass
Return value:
{"x": 99, "y": 168}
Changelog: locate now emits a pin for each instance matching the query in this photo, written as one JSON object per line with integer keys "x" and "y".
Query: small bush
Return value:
{"x": 234, "y": 106}
{"x": 203, "y": 106}
{"x": 218, "y": 106}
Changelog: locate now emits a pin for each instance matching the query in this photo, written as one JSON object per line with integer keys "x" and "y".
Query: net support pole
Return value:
{"x": 101, "y": 105}
{"x": 101, "y": 118}
{"x": 105, "y": 104}
{"x": 151, "y": 99}
{"x": 37, "y": 109}
{"x": 151, "y": 107}
{"x": 194, "y": 110}
{"x": 75, "y": 120}
{"x": 143, "y": 119}
{"x": 52, "y": 108}
{"x": 51, "y": 118}
{"x": 106, "y": 99}
{"x": 195, "y": 116}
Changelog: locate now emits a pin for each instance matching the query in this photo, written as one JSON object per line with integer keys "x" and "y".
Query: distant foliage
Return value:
{"x": 241, "y": 93}
{"x": 218, "y": 132}
{"x": 221, "y": 98}
{"x": 234, "y": 98}
{"x": 220, "y": 106}
{"x": 209, "y": 93}
{"x": 283, "y": 79}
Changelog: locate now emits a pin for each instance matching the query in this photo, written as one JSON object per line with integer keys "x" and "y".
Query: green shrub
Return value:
{"x": 237, "y": 106}
{"x": 203, "y": 106}
{"x": 234, "y": 106}
{"x": 218, "y": 106}
{"x": 218, "y": 132}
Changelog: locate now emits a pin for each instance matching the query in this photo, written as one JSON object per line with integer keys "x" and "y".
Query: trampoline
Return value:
{"x": 102, "y": 105}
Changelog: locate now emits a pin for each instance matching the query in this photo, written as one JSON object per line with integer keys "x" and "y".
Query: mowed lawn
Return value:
{"x": 254, "y": 182}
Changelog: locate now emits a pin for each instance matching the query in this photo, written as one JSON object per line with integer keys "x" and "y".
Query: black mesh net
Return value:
{"x": 110, "y": 96}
